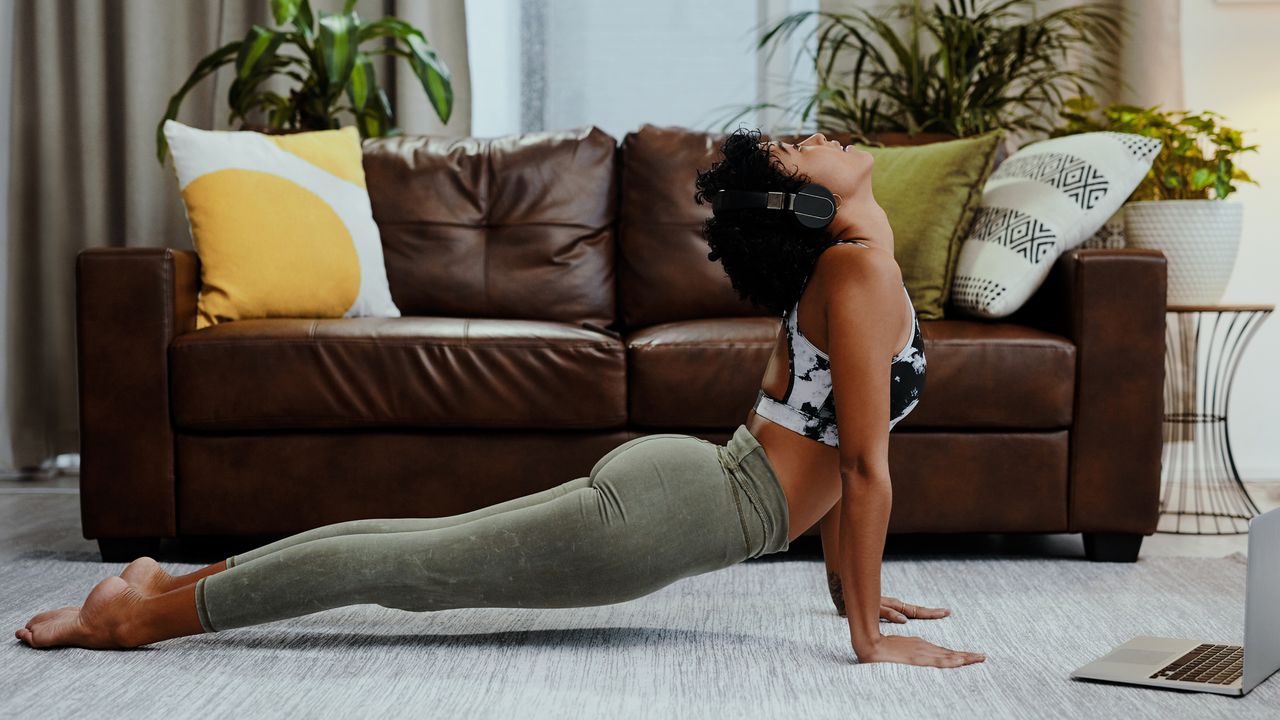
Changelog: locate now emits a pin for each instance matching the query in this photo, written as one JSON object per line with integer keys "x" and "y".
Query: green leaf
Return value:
{"x": 258, "y": 48}
{"x": 369, "y": 103}
{"x": 433, "y": 75}
{"x": 305, "y": 21}
{"x": 430, "y": 70}
{"x": 337, "y": 43}
{"x": 376, "y": 120}
{"x": 1202, "y": 178}
{"x": 284, "y": 10}
{"x": 363, "y": 78}
{"x": 204, "y": 68}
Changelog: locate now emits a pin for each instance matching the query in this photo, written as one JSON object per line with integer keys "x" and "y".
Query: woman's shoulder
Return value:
{"x": 847, "y": 266}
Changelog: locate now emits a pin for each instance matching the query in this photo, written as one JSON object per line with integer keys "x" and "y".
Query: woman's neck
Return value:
{"x": 860, "y": 217}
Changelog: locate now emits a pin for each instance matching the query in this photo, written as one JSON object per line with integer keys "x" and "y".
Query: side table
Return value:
{"x": 1203, "y": 345}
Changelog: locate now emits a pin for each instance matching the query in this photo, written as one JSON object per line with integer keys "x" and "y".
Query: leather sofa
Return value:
{"x": 557, "y": 302}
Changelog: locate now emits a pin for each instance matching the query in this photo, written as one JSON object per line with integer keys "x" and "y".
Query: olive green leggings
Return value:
{"x": 653, "y": 510}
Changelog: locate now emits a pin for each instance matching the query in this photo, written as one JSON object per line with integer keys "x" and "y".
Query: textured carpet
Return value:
{"x": 756, "y": 640}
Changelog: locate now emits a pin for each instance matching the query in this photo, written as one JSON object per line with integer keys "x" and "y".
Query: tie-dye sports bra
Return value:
{"x": 808, "y": 406}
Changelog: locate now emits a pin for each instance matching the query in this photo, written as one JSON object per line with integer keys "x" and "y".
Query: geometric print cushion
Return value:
{"x": 282, "y": 224}
{"x": 1046, "y": 198}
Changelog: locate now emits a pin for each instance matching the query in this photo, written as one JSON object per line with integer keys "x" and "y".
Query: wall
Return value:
{"x": 1229, "y": 57}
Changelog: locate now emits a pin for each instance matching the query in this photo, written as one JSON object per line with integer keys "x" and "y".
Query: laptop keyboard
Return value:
{"x": 1207, "y": 663}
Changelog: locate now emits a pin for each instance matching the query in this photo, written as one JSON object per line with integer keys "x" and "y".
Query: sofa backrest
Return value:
{"x": 520, "y": 226}
{"x": 663, "y": 271}
{"x": 566, "y": 225}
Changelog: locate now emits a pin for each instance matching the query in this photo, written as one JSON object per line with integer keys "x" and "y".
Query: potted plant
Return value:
{"x": 331, "y": 71}
{"x": 992, "y": 64}
{"x": 1180, "y": 208}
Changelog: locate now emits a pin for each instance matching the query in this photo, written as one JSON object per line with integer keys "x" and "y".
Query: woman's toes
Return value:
{"x": 103, "y": 621}
{"x": 59, "y": 627}
{"x": 48, "y": 614}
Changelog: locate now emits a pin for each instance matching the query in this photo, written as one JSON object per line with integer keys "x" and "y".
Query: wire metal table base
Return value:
{"x": 1200, "y": 482}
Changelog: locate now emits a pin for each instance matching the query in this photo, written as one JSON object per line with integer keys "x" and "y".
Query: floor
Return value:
{"x": 42, "y": 514}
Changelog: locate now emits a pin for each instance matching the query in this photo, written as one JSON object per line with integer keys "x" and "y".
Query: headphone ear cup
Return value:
{"x": 814, "y": 206}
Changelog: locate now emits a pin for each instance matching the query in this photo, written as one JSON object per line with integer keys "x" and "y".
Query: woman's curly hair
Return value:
{"x": 765, "y": 253}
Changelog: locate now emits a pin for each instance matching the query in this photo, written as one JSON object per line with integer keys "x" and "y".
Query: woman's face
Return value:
{"x": 842, "y": 169}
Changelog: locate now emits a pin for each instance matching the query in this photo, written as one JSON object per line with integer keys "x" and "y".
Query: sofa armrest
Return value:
{"x": 130, "y": 304}
{"x": 1111, "y": 303}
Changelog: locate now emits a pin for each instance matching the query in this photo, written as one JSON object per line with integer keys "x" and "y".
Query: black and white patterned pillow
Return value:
{"x": 1047, "y": 198}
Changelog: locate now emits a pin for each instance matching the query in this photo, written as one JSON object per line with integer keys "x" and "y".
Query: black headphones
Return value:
{"x": 813, "y": 206}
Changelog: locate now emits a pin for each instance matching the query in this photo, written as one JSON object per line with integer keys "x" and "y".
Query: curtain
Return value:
{"x": 582, "y": 62}
{"x": 91, "y": 79}
{"x": 6, "y": 76}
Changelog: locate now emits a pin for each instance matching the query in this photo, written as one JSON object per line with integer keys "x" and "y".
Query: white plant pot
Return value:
{"x": 1200, "y": 239}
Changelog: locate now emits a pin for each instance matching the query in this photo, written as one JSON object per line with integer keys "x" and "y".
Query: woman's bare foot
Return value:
{"x": 102, "y": 623}
{"x": 147, "y": 577}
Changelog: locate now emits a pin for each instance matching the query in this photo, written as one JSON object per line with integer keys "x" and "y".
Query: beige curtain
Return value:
{"x": 91, "y": 79}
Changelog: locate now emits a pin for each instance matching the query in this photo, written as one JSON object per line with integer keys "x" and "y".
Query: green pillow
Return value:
{"x": 930, "y": 194}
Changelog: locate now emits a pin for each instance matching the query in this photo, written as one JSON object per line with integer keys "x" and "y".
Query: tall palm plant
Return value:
{"x": 993, "y": 64}
{"x": 332, "y": 72}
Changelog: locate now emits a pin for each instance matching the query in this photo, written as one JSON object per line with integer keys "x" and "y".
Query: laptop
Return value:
{"x": 1208, "y": 666}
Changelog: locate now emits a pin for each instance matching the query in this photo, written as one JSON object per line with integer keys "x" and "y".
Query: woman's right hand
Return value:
{"x": 911, "y": 650}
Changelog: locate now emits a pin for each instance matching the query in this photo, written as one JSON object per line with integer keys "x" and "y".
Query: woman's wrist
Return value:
{"x": 864, "y": 643}
{"x": 837, "y": 591}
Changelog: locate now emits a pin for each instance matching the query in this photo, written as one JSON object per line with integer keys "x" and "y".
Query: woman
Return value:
{"x": 656, "y": 508}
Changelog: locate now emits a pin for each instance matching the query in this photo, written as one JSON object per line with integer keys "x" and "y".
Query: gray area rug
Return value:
{"x": 759, "y": 639}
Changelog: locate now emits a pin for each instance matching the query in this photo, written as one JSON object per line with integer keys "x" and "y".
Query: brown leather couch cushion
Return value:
{"x": 507, "y": 227}
{"x": 697, "y": 373}
{"x": 982, "y": 374}
{"x": 663, "y": 271}
{"x": 994, "y": 375}
{"x": 409, "y": 372}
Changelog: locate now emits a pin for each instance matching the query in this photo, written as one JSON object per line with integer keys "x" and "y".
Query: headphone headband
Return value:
{"x": 813, "y": 206}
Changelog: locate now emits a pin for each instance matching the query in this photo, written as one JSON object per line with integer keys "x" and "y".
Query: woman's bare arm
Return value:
{"x": 864, "y": 320}
{"x": 864, "y": 520}
{"x": 864, "y": 315}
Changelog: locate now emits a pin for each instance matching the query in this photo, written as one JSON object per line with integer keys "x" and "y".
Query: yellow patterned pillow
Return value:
{"x": 281, "y": 223}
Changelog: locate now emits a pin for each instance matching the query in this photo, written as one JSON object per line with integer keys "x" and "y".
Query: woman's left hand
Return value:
{"x": 895, "y": 610}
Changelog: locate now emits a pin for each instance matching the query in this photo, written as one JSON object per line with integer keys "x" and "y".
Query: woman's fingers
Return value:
{"x": 955, "y": 658}
{"x": 959, "y": 660}
{"x": 891, "y": 614}
{"x": 928, "y": 613}
{"x": 910, "y": 610}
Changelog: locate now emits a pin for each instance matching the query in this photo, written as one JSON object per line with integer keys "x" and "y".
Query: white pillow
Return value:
{"x": 1047, "y": 198}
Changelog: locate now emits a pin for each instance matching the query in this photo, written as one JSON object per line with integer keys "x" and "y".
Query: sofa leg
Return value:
{"x": 127, "y": 549}
{"x": 1112, "y": 547}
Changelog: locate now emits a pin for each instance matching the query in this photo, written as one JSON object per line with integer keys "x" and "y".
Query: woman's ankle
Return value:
{"x": 162, "y": 617}
{"x": 191, "y": 578}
